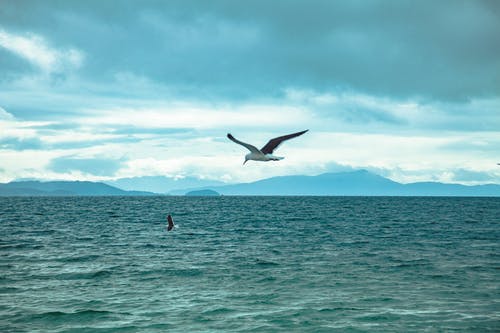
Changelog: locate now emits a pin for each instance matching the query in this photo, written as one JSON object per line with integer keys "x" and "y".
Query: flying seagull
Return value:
{"x": 170, "y": 222}
{"x": 266, "y": 153}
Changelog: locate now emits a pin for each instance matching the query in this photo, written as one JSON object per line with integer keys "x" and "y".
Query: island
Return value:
{"x": 202, "y": 193}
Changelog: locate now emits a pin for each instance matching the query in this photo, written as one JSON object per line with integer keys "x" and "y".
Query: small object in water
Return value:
{"x": 170, "y": 222}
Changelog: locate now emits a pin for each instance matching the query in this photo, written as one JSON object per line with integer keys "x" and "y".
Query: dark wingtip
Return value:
{"x": 170, "y": 223}
{"x": 230, "y": 136}
{"x": 302, "y": 132}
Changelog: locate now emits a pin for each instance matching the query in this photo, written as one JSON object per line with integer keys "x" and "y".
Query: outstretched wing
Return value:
{"x": 274, "y": 143}
{"x": 253, "y": 149}
{"x": 170, "y": 222}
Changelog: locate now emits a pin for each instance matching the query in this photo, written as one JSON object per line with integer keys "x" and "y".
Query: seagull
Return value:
{"x": 170, "y": 222}
{"x": 266, "y": 153}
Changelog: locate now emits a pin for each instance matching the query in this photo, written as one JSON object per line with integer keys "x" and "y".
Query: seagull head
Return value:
{"x": 247, "y": 157}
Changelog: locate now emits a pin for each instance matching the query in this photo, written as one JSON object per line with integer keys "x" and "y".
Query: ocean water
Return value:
{"x": 250, "y": 264}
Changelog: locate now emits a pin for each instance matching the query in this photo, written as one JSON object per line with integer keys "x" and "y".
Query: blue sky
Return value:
{"x": 100, "y": 90}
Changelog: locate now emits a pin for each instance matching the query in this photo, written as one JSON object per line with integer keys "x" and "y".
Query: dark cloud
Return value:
{"x": 12, "y": 66}
{"x": 129, "y": 130}
{"x": 436, "y": 50}
{"x": 93, "y": 166}
{"x": 366, "y": 115}
{"x": 51, "y": 128}
{"x": 92, "y": 143}
{"x": 15, "y": 143}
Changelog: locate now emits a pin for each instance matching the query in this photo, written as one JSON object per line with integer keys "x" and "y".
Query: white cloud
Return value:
{"x": 37, "y": 51}
{"x": 404, "y": 153}
{"x": 402, "y": 158}
{"x": 198, "y": 117}
{"x": 14, "y": 128}
{"x": 70, "y": 136}
{"x": 4, "y": 115}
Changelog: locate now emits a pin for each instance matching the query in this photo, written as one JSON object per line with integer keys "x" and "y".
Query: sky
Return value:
{"x": 101, "y": 90}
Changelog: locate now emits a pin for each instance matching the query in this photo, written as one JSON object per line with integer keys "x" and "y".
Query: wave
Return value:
{"x": 84, "y": 275}
{"x": 265, "y": 263}
{"x": 20, "y": 246}
{"x": 83, "y": 258}
{"x": 79, "y": 316}
{"x": 84, "y": 312}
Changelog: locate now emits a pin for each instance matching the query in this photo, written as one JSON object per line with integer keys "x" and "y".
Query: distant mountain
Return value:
{"x": 202, "y": 193}
{"x": 356, "y": 183}
{"x": 161, "y": 184}
{"x": 63, "y": 188}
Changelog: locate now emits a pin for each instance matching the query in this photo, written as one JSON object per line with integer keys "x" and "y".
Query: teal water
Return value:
{"x": 250, "y": 264}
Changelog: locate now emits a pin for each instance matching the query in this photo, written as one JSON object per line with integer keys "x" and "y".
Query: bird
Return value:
{"x": 170, "y": 222}
{"x": 266, "y": 153}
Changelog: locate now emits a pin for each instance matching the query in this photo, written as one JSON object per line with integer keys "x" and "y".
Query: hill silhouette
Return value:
{"x": 62, "y": 188}
{"x": 355, "y": 183}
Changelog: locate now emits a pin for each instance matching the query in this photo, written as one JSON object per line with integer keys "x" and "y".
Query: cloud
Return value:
{"x": 355, "y": 111}
{"x": 92, "y": 166}
{"x": 18, "y": 135}
{"x": 237, "y": 51}
{"x": 14, "y": 143}
{"x": 15, "y": 133}
{"x": 196, "y": 116}
{"x": 36, "y": 50}
{"x": 4, "y": 115}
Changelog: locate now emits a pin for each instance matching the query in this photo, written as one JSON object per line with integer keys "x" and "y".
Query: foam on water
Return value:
{"x": 249, "y": 264}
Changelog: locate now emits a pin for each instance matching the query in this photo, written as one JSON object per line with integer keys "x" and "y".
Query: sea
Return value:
{"x": 249, "y": 264}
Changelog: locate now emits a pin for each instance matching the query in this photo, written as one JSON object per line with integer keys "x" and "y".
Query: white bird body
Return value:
{"x": 266, "y": 153}
{"x": 262, "y": 157}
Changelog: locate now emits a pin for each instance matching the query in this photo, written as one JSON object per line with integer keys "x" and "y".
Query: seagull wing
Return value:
{"x": 170, "y": 222}
{"x": 274, "y": 143}
{"x": 253, "y": 149}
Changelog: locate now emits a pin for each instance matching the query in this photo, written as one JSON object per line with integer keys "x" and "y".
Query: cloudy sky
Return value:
{"x": 98, "y": 90}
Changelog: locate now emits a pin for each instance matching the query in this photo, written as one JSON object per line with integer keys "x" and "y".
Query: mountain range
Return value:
{"x": 355, "y": 183}
{"x": 161, "y": 184}
{"x": 358, "y": 183}
{"x": 63, "y": 188}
